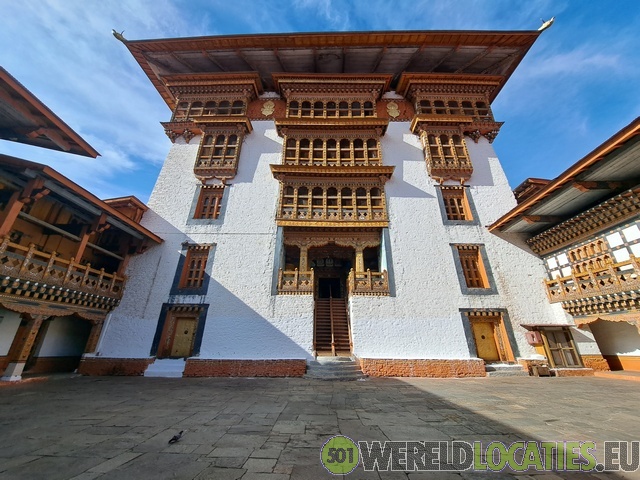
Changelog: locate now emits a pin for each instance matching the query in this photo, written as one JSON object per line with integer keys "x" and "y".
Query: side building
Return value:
{"x": 327, "y": 194}
{"x": 585, "y": 225}
{"x": 63, "y": 252}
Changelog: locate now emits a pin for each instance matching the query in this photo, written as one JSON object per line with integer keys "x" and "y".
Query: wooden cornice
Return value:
{"x": 412, "y": 84}
{"x": 295, "y": 85}
{"x": 374, "y": 126}
{"x": 382, "y": 172}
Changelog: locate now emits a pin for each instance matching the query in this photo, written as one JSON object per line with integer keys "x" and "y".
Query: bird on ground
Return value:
{"x": 176, "y": 437}
{"x": 546, "y": 23}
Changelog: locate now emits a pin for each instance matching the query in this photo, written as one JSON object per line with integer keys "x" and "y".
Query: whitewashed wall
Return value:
{"x": 9, "y": 323}
{"x": 617, "y": 338}
{"x": 423, "y": 319}
{"x": 64, "y": 337}
{"x": 245, "y": 321}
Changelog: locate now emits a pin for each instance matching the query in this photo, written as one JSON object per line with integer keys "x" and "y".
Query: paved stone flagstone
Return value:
{"x": 87, "y": 428}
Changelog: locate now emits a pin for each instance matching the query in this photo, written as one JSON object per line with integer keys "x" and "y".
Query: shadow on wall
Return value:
{"x": 235, "y": 330}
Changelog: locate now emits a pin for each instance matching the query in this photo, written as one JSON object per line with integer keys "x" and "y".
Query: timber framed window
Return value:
{"x": 456, "y": 203}
{"x": 193, "y": 270}
{"x": 473, "y": 269}
{"x": 444, "y": 149}
{"x": 209, "y": 202}
{"x": 186, "y": 110}
{"x": 220, "y": 149}
{"x": 334, "y": 203}
{"x": 560, "y": 348}
{"x": 330, "y": 109}
{"x": 332, "y": 151}
{"x": 448, "y": 106}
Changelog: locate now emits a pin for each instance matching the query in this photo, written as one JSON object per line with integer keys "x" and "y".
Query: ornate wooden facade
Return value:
{"x": 585, "y": 226}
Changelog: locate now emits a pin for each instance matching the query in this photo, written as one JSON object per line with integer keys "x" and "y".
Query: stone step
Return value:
{"x": 505, "y": 370}
{"x": 166, "y": 367}
{"x": 334, "y": 368}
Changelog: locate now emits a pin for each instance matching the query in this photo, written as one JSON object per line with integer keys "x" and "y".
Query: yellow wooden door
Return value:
{"x": 183, "y": 337}
{"x": 484, "y": 335}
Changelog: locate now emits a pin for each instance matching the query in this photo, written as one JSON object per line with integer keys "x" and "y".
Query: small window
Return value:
{"x": 455, "y": 203}
{"x": 193, "y": 272}
{"x": 473, "y": 269}
{"x": 561, "y": 348}
{"x": 209, "y": 202}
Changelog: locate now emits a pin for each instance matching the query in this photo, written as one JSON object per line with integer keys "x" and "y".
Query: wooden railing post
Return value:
{"x": 333, "y": 341}
{"x": 27, "y": 258}
{"x": 279, "y": 278}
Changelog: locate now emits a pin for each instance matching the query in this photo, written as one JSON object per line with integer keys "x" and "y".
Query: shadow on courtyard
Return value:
{"x": 118, "y": 427}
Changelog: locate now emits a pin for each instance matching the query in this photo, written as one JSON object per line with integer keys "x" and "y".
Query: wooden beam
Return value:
{"x": 480, "y": 56}
{"x": 209, "y": 57}
{"x": 601, "y": 185}
{"x": 52, "y": 135}
{"x": 543, "y": 218}
{"x": 20, "y": 108}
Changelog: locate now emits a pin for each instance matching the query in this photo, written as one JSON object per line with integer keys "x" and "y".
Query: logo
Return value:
{"x": 340, "y": 455}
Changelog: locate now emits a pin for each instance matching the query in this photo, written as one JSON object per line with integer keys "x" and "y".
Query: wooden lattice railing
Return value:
{"x": 29, "y": 263}
{"x": 614, "y": 278}
{"x": 368, "y": 283}
{"x": 294, "y": 282}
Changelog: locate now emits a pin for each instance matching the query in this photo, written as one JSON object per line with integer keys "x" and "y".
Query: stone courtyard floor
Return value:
{"x": 272, "y": 429}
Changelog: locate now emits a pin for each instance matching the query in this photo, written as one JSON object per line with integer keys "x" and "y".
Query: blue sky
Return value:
{"x": 578, "y": 85}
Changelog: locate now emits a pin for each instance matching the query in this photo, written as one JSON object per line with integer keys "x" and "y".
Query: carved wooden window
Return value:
{"x": 455, "y": 203}
{"x": 323, "y": 202}
{"x": 186, "y": 110}
{"x": 447, "y": 149}
{"x": 560, "y": 347}
{"x": 331, "y": 151}
{"x": 478, "y": 109}
{"x": 473, "y": 269}
{"x": 330, "y": 109}
{"x": 209, "y": 202}
{"x": 193, "y": 272}
{"x": 218, "y": 150}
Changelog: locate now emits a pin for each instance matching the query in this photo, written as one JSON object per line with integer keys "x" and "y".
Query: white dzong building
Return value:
{"x": 328, "y": 194}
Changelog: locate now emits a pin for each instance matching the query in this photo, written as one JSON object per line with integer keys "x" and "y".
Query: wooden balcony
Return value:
{"x": 32, "y": 273}
{"x": 374, "y": 216}
{"x": 294, "y": 282}
{"x": 615, "y": 278}
{"x": 368, "y": 283}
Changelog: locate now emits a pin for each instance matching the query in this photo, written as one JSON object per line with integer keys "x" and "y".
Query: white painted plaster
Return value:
{"x": 616, "y": 338}
{"x": 64, "y": 337}
{"x": 245, "y": 321}
{"x": 9, "y": 323}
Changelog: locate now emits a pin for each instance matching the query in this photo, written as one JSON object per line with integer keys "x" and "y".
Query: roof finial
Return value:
{"x": 546, "y": 24}
{"x": 119, "y": 35}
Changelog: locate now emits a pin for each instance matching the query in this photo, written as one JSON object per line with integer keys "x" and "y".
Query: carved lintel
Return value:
{"x": 475, "y": 135}
{"x": 491, "y": 136}
{"x": 187, "y": 135}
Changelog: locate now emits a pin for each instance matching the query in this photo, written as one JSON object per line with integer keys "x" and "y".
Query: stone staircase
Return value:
{"x": 331, "y": 318}
{"x": 166, "y": 367}
{"x": 505, "y": 370}
{"x": 334, "y": 368}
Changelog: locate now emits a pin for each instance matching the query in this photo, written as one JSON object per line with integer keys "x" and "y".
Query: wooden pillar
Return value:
{"x": 84, "y": 239}
{"x": 304, "y": 258}
{"x": 22, "y": 345}
{"x": 94, "y": 336}
{"x": 32, "y": 191}
{"x": 359, "y": 258}
{"x": 10, "y": 213}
